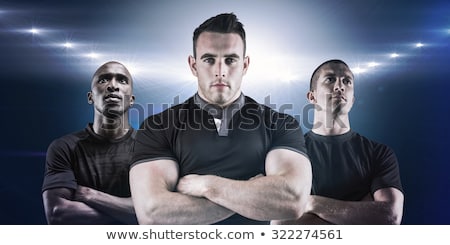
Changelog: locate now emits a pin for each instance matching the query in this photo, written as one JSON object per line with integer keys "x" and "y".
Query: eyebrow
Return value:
{"x": 111, "y": 75}
{"x": 331, "y": 73}
{"x": 208, "y": 55}
{"x": 232, "y": 56}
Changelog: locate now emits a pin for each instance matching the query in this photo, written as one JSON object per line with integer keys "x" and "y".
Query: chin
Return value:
{"x": 219, "y": 100}
{"x": 113, "y": 112}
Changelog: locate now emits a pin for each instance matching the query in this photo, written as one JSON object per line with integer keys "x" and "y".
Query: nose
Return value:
{"x": 112, "y": 85}
{"x": 338, "y": 85}
{"x": 220, "y": 69}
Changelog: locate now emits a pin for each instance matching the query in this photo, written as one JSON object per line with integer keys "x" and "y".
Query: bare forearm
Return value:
{"x": 176, "y": 208}
{"x": 76, "y": 213}
{"x": 356, "y": 212}
{"x": 119, "y": 208}
{"x": 264, "y": 198}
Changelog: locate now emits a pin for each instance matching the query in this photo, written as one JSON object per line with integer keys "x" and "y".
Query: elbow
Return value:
{"x": 296, "y": 213}
{"x": 148, "y": 215}
{"x": 395, "y": 214}
{"x": 297, "y": 202}
{"x": 147, "y": 221}
{"x": 397, "y": 220}
{"x": 301, "y": 206}
{"x": 302, "y": 200}
{"x": 298, "y": 206}
{"x": 302, "y": 194}
{"x": 146, "y": 218}
{"x": 55, "y": 215}
{"x": 394, "y": 217}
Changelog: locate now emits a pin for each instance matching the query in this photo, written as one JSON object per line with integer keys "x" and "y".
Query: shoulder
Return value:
{"x": 369, "y": 141}
{"x": 69, "y": 140}
{"x": 64, "y": 147}
{"x": 378, "y": 148}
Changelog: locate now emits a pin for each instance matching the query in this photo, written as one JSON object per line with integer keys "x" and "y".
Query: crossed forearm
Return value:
{"x": 263, "y": 198}
{"x": 181, "y": 209}
{"x": 351, "y": 212}
{"x": 119, "y": 208}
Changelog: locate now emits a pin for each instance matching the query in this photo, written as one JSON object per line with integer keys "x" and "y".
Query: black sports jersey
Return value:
{"x": 85, "y": 158}
{"x": 188, "y": 135}
{"x": 349, "y": 166}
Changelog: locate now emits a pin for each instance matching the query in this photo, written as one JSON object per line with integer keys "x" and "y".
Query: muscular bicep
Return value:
{"x": 154, "y": 176}
{"x": 288, "y": 163}
{"x": 295, "y": 169}
{"x": 149, "y": 181}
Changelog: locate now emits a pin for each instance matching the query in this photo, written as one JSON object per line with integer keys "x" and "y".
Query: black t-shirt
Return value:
{"x": 349, "y": 166}
{"x": 188, "y": 135}
{"x": 85, "y": 158}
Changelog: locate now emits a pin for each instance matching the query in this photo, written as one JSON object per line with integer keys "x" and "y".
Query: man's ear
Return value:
{"x": 89, "y": 97}
{"x": 246, "y": 64}
{"x": 311, "y": 97}
{"x": 132, "y": 99}
{"x": 192, "y": 65}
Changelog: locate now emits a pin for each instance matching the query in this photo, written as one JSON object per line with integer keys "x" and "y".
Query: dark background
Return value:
{"x": 403, "y": 102}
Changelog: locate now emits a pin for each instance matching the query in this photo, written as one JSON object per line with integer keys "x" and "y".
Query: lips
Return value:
{"x": 220, "y": 85}
{"x": 112, "y": 97}
{"x": 339, "y": 96}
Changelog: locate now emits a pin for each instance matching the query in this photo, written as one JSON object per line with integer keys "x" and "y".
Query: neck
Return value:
{"x": 221, "y": 105}
{"x": 112, "y": 128}
{"x": 330, "y": 124}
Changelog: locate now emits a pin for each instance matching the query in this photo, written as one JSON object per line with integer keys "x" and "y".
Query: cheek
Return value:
{"x": 127, "y": 90}
{"x": 203, "y": 85}
{"x": 203, "y": 75}
{"x": 236, "y": 71}
{"x": 95, "y": 94}
{"x": 97, "y": 90}
{"x": 203, "y": 68}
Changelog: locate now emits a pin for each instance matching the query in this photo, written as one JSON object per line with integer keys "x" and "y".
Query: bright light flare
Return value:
{"x": 359, "y": 70}
{"x": 67, "y": 45}
{"x": 373, "y": 64}
{"x": 419, "y": 45}
{"x": 34, "y": 31}
{"x": 93, "y": 55}
{"x": 394, "y": 55}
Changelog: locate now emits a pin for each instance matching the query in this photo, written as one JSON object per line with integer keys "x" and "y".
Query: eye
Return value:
{"x": 347, "y": 81}
{"x": 209, "y": 60}
{"x": 230, "y": 61}
{"x": 103, "y": 80}
{"x": 122, "y": 80}
{"x": 330, "y": 79}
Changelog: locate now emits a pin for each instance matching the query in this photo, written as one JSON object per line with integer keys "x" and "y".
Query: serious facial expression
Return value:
{"x": 334, "y": 91}
{"x": 111, "y": 90}
{"x": 219, "y": 66}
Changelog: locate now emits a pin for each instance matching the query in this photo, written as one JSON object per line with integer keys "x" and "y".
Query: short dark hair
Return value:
{"x": 316, "y": 73}
{"x": 222, "y": 23}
